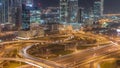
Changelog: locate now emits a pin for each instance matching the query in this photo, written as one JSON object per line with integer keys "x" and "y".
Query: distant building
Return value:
{"x": 72, "y": 11}
{"x": 0, "y": 28}
{"x": 4, "y": 10}
{"x": 18, "y": 18}
{"x": 35, "y": 31}
{"x": 80, "y": 15}
{"x": 28, "y": 3}
{"x": 7, "y": 27}
{"x": 98, "y": 9}
{"x": 25, "y": 17}
{"x": 34, "y": 26}
{"x": 35, "y": 16}
{"x": 8, "y": 8}
{"x": 63, "y": 11}
{"x": 50, "y": 14}
{"x": 68, "y": 11}
{"x": 52, "y": 28}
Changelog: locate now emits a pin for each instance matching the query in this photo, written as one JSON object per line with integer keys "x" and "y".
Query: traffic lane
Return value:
{"x": 82, "y": 55}
{"x": 85, "y": 52}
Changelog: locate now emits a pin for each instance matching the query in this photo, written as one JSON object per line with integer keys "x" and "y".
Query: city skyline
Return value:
{"x": 82, "y": 3}
{"x": 59, "y": 34}
{"x": 110, "y": 6}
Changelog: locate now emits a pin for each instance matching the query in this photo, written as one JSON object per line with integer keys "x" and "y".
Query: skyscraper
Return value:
{"x": 4, "y": 11}
{"x": 28, "y": 2}
{"x": 98, "y": 9}
{"x": 68, "y": 11}
{"x": 72, "y": 11}
{"x": 8, "y": 10}
{"x": 15, "y": 12}
{"x": 102, "y": 7}
{"x": 63, "y": 11}
{"x": 27, "y": 5}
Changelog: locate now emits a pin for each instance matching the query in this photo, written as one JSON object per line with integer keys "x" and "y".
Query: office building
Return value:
{"x": 72, "y": 11}
{"x": 68, "y": 11}
{"x": 63, "y": 11}
{"x": 98, "y": 9}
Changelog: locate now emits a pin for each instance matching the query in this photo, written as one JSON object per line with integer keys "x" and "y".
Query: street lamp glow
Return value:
{"x": 0, "y": 4}
{"x": 29, "y": 5}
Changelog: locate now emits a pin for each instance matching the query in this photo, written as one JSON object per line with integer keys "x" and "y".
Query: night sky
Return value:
{"x": 82, "y": 3}
{"x": 110, "y": 6}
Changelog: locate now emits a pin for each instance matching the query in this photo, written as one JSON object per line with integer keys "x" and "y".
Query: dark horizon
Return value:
{"x": 110, "y": 6}
{"x": 52, "y": 3}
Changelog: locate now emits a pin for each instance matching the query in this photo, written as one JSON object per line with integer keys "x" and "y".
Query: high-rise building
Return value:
{"x": 68, "y": 11}
{"x": 72, "y": 11}
{"x": 97, "y": 10}
{"x": 25, "y": 25}
{"x": 50, "y": 14}
{"x": 4, "y": 11}
{"x": 80, "y": 15}
{"x": 102, "y": 7}
{"x": 10, "y": 12}
{"x": 16, "y": 12}
{"x": 35, "y": 16}
{"x": 63, "y": 11}
{"x": 28, "y": 2}
{"x": 27, "y": 5}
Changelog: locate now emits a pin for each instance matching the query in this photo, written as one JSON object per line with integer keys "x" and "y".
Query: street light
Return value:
{"x": 29, "y": 5}
{"x": 0, "y": 4}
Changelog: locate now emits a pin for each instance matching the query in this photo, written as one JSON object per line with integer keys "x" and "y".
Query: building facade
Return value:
{"x": 63, "y": 11}
{"x": 4, "y": 11}
{"x": 72, "y": 11}
{"x": 27, "y": 6}
{"x": 68, "y": 11}
{"x": 98, "y": 9}
{"x": 8, "y": 8}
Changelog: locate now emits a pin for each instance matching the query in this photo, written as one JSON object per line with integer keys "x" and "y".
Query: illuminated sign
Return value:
{"x": 29, "y": 5}
{"x": 118, "y": 30}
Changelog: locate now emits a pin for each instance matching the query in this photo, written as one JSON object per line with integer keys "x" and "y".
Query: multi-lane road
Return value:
{"x": 86, "y": 56}
{"x": 79, "y": 58}
{"x": 74, "y": 60}
{"x": 37, "y": 63}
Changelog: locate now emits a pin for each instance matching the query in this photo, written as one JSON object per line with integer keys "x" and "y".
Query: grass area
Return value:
{"x": 13, "y": 65}
{"x": 61, "y": 52}
{"x": 82, "y": 47}
{"x": 108, "y": 64}
{"x": 56, "y": 53}
{"x": 51, "y": 38}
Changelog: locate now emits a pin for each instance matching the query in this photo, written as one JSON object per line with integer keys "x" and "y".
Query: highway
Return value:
{"x": 79, "y": 58}
{"x": 33, "y": 41}
{"x": 74, "y": 60}
{"x": 40, "y": 60}
{"x": 27, "y": 61}
{"x": 86, "y": 55}
{"x": 52, "y": 64}
{"x": 24, "y": 41}
{"x": 41, "y": 63}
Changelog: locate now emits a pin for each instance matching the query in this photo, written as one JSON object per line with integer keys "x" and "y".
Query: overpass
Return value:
{"x": 40, "y": 60}
{"x": 78, "y": 59}
{"x": 24, "y": 41}
{"x": 27, "y": 61}
{"x": 40, "y": 63}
